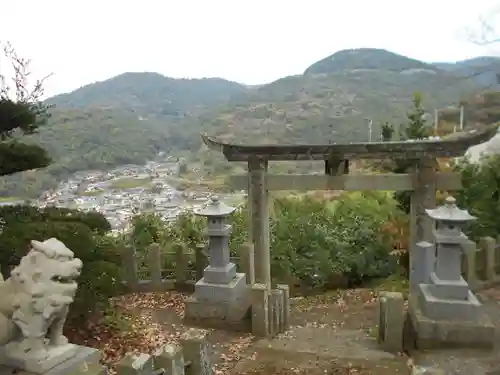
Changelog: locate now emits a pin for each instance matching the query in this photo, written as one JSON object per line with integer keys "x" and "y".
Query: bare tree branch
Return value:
{"x": 485, "y": 33}
{"x": 21, "y": 104}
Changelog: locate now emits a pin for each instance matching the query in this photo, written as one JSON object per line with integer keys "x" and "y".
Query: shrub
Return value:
{"x": 359, "y": 220}
{"x": 480, "y": 195}
{"x": 26, "y": 214}
{"x": 310, "y": 239}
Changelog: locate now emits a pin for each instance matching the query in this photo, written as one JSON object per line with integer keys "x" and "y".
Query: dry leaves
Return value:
{"x": 145, "y": 335}
{"x": 233, "y": 352}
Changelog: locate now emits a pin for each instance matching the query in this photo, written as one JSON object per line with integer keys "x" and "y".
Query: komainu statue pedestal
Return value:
{"x": 13, "y": 355}
{"x": 85, "y": 361}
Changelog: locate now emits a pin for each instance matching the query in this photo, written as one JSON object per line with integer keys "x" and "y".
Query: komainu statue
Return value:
{"x": 34, "y": 304}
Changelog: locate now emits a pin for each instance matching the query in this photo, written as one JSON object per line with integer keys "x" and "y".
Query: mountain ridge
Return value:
{"x": 319, "y": 67}
{"x": 132, "y": 116}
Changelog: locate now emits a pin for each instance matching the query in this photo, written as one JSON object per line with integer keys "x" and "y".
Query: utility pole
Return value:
{"x": 370, "y": 123}
{"x": 461, "y": 118}
{"x": 436, "y": 121}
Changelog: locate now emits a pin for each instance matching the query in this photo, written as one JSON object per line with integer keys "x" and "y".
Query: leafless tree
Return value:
{"x": 20, "y": 96}
{"x": 485, "y": 31}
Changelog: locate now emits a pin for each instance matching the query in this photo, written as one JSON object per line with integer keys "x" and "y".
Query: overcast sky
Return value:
{"x": 247, "y": 41}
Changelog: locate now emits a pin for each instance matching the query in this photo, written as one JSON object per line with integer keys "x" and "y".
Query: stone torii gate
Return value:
{"x": 423, "y": 180}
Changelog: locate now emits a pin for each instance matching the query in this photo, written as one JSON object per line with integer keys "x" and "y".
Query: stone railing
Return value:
{"x": 190, "y": 357}
{"x": 481, "y": 263}
{"x": 187, "y": 267}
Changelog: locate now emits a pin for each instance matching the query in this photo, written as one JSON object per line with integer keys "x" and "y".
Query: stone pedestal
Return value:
{"x": 450, "y": 332}
{"x": 221, "y": 297}
{"x": 444, "y": 310}
{"x": 82, "y": 360}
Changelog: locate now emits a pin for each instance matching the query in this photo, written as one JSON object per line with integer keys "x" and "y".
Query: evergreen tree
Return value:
{"x": 21, "y": 112}
{"x": 387, "y": 131}
{"x": 415, "y": 128}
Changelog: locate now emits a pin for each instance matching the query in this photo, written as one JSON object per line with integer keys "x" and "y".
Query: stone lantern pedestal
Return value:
{"x": 444, "y": 310}
{"x": 221, "y": 296}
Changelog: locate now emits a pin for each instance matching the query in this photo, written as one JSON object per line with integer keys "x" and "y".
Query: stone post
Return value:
{"x": 260, "y": 220}
{"x": 155, "y": 265}
{"x": 422, "y": 261}
{"x": 275, "y": 311}
{"x": 260, "y": 310}
{"x": 488, "y": 245}
{"x": 135, "y": 364}
{"x": 196, "y": 352}
{"x": 171, "y": 359}
{"x": 391, "y": 321}
{"x": 248, "y": 261}
{"x": 423, "y": 197}
{"x": 130, "y": 268}
{"x": 286, "y": 305}
{"x": 470, "y": 250}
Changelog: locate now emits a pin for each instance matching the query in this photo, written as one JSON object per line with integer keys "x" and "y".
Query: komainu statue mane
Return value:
{"x": 34, "y": 304}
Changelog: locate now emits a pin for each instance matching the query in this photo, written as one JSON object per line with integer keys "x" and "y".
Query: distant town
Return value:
{"x": 125, "y": 191}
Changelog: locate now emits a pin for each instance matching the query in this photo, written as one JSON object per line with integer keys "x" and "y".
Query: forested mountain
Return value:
{"x": 129, "y": 118}
{"x": 484, "y": 70}
{"x": 367, "y": 58}
{"x": 152, "y": 94}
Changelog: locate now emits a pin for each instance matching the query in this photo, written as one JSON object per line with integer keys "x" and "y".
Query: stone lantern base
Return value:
{"x": 225, "y": 306}
{"x": 441, "y": 323}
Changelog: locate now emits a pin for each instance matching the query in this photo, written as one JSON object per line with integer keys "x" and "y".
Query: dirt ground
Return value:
{"x": 330, "y": 334}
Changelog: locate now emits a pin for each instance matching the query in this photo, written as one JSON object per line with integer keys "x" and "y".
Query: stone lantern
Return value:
{"x": 443, "y": 310}
{"x": 220, "y": 270}
{"x": 447, "y": 275}
{"x": 221, "y": 295}
{"x": 448, "y": 295}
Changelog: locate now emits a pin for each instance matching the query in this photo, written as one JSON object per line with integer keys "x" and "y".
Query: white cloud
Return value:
{"x": 248, "y": 41}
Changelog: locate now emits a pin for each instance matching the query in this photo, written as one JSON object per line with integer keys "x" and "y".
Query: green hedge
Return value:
{"x": 311, "y": 240}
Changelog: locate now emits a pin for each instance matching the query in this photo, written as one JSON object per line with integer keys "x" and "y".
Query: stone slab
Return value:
{"x": 450, "y": 333}
{"x": 219, "y": 275}
{"x": 437, "y": 308}
{"x": 223, "y": 315}
{"x": 213, "y": 293}
{"x": 234, "y": 311}
{"x": 448, "y": 289}
{"x": 85, "y": 361}
{"x": 329, "y": 342}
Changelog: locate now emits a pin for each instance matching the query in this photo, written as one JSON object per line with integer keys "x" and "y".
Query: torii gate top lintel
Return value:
{"x": 453, "y": 146}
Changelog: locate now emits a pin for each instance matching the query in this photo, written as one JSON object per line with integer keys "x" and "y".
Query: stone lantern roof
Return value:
{"x": 215, "y": 208}
{"x": 449, "y": 212}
